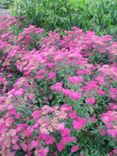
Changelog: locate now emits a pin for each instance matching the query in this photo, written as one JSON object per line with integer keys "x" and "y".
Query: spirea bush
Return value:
{"x": 58, "y": 94}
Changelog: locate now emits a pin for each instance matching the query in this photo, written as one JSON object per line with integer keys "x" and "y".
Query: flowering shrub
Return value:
{"x": 58, "y": 94}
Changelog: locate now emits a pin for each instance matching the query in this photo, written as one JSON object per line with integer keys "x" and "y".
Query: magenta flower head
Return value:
{"x": 90, "y": 100}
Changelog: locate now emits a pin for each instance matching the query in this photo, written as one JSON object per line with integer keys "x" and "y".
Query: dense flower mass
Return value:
{"x": 58, "y": 93}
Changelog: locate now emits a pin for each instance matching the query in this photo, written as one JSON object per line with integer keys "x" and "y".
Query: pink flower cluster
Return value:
{"x": 110, "y": 119}
{"x": 16, "y": 134}
{"x": 50, "y": 89}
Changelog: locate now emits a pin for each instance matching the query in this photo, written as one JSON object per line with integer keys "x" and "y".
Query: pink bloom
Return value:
{"x": 35, "y": 125}
{"x": 66, "y": 107}
{"x": 75, "y": 96}
{"x": 74, "y": 148}
{"x": 80, "y": 72}
{"x": 34, "y": 143}
{"x": 60, "y": 146}
{"x": 39, "y": 77}
{"x": 10, "y": 107}
{"x": 43, "y": 151}
{"x": 71, "y": 94}
{"x": 36, "y": 114}
{"x": 12, "y": 112}
{"x": 87, "y": 71}
{"x": 65, "y": 132}
{"x": 101, "y": 92}
{"x": 1, "y": 99}
{"x": 31, "y": 96}
{"x": 113, "y": 93}
{"x": 73, "y": 114}
{"x": 12, "y": 153}
{"x": 91, "y": 85}
{"x": 15, "y": 147}
{"x": 18, "y": 115}
{"x": 50, "y": 65}
{"x": 60, "y": 126}
{"x": 10, "y": 75}
{"x": 110, "y": 118}
{"x": 112, "y": 106}
{"x": 75, "y": 79}
{"x": 115, "y": 151}
{"x": 66, "y": 92}
{"x": 68, "y": 139}
{"x": 24, "y": 147}
{"x": 15, "y": 139}
{"x": 51, "y": 75}
{"x": 49, "y": 140}
{"x": 100, "y": 80}
{"x": 57, "y": 86}
{"x": 112, "y": 132}
{"x": 13, "y": 132}
{"x": 90, "y": 100}
{"x": 19, "y": 92}
{"x": 9, "y": 121}
{"x": 41, "y": 72}
{"x": 29, "y": 131}
{"x": 79, "y": 123}
{"x": 20, "y": 127}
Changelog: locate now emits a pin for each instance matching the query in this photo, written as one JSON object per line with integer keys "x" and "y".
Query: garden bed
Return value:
{"x": 58, "y": 92}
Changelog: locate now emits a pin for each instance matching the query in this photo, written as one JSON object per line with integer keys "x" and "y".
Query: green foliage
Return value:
{"x": 5, "y": 3}
{"x": 99, "y": 148}
{"x": 97, "y": 15}
{"x": 103, "y": 16}
{"x": 46, "y": 13}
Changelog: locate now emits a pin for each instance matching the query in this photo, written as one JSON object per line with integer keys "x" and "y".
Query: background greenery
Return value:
{"x": 5, "y": 3}
{"x": 97, "y": 15}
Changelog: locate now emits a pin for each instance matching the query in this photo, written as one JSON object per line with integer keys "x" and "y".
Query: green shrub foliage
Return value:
{"x": 97, "y": 15}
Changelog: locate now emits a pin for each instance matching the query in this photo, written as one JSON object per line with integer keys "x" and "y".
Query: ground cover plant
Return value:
{"x": 58, "y": 93}
{"x": 97, "y": 15}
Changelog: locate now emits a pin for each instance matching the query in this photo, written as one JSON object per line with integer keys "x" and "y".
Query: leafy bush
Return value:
{"x": 97, "y": 15}
{"x": 56, "y": 97}
{"x": 5, "y": 3}
{"x": 47, "y": 14}
{"x": 104, "y": 13}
